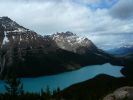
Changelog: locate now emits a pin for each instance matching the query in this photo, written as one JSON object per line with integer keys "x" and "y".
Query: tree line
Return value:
{"x": 14, "y": 91}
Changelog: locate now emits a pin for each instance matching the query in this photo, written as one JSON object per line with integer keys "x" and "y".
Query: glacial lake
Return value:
{"x": 66, "y": 79}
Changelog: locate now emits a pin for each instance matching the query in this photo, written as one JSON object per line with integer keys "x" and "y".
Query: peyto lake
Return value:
{"x": 66, "y": 79}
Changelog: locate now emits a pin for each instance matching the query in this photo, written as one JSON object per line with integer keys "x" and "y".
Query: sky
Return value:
{"x": 100, "y": 20}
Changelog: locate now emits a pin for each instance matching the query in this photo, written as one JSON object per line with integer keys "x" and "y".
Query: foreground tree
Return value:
{"x": 13, "y": 86}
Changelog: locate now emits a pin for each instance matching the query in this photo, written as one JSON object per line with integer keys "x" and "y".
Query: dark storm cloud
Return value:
{"x": 123, "y": 9}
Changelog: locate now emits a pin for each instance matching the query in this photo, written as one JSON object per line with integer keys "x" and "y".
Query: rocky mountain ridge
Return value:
{"x": 120, "y": 51}
{"x": 12, "y": 32}
{"x": 72, "y": 42}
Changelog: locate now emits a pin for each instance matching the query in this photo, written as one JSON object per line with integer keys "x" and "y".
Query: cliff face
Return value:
{"x": 30, "y": 54}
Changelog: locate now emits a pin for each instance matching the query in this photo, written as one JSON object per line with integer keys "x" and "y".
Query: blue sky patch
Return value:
{"x": 102, "y": 4}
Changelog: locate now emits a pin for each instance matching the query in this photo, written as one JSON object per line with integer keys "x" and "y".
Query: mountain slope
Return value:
{"x": 94, "y": 89}
{"x": 29, "y": 54}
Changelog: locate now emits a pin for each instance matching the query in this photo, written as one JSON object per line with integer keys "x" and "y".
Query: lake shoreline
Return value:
{"x": 66, "y": 79}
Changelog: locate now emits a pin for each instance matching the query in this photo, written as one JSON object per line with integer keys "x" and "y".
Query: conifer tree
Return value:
{"x": 13, "y": 86}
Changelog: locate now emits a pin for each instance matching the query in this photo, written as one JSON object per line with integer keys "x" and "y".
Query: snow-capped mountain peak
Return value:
{"x": 12, "y": 33}
{"x": 71, "y": 42}
{"x": 11, "y": 26}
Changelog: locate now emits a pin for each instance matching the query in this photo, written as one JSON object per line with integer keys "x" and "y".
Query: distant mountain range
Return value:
{"x": 121, "y": 50}
{"x": 29, "y": 54}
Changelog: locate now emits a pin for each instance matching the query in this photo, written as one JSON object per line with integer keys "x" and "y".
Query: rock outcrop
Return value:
{"x": 123, "y": 93}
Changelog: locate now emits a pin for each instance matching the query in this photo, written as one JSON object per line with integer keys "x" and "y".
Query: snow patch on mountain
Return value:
{"x": 11, "y": 26}
{"x": 5, "y": 38}
{"x": 72, "y": 42}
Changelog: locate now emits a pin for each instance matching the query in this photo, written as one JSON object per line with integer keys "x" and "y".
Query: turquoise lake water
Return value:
{"x": 66, "y": 79}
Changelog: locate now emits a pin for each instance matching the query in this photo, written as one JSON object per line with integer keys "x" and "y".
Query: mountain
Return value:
{"x": 124, "y": 50}
{"x": 71, "y": 42}
{"x": 29, "y": 54}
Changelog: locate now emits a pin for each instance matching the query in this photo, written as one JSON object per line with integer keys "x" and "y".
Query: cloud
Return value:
{"x": 86, "y": 1}
{"x": 58, "y": 1}
{"x": 50, "y": 16}
{"x": 44, "y": 17}
{"x": 123, "y": 9}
